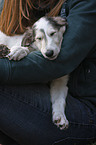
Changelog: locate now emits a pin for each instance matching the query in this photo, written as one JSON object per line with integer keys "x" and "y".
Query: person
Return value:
{"x": 25, "y": 108}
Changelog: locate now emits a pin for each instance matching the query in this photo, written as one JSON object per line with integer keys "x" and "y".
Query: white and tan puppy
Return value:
{"x": 46, "y": 36}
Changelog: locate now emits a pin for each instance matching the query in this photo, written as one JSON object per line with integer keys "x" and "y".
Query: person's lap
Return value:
{"x": 25, "y": 116}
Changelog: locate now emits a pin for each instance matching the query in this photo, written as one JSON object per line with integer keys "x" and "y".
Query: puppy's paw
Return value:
{"x": 17, "y": 53}
{"x": 60, "y": 120}
{"x": 4, "y": 50}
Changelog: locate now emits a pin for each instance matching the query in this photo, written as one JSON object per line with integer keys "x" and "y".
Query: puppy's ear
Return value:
{"x": 61, "y": 21}
{"x": 28, "y": 38}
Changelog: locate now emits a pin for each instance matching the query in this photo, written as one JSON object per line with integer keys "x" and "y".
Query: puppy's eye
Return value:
{"x": 39, "y": 38}
{"x": 52, "y": 33}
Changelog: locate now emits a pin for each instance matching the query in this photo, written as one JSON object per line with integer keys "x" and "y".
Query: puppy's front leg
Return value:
{"x": 18, "y": 52}
{"x": 59, "y": 91}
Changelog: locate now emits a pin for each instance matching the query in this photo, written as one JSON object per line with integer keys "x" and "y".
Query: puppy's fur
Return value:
{"x": 45, "y": 35}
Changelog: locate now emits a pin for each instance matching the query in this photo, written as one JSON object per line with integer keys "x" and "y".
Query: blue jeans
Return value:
{"x": 25, "y": 118}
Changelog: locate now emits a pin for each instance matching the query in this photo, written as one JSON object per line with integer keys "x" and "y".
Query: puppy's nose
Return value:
{"x": 49, "y": 53}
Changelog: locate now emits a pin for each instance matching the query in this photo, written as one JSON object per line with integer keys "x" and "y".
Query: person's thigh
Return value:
{"x": 6, "y": 140}
{"x": 26, "y": 117}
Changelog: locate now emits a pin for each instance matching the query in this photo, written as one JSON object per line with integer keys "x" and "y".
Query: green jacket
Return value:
{"x": 77, "y": 56}
{"x": 1, "y": 5}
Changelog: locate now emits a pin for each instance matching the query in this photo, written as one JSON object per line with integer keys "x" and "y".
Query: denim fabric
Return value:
{"x": 25, "y": 116}
{"x": 75, "y": 48}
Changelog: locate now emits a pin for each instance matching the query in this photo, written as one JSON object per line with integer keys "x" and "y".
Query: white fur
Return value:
{"x": 58, "y": 92}
{"x": 14, "y": 44}
{"x": 53, "y": 42}
{"x": 58, "y": 88}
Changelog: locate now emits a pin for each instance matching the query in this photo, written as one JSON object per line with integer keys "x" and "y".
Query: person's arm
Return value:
{"x": 78, "y": 41}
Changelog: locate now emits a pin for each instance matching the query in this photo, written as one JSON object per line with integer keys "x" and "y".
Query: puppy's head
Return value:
{"x": 46, "y": 35}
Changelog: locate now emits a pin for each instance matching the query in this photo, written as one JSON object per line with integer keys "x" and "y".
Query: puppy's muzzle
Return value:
{"x": 49, "y": 53}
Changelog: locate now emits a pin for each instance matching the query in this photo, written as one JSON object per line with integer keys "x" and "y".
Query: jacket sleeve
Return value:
{"x": 1, "y": 5}
{"x": 78, "y": 41}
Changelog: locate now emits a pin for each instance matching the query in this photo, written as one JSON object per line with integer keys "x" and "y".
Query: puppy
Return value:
{"x": 46, "y": 36}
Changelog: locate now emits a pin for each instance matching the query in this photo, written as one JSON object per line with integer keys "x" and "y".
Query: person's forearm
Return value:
{"x": 32, "y": 69}
{"x": 4, "y": 71}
